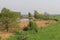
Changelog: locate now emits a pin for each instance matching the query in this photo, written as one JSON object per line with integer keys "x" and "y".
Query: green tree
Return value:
{"x": 32, "y": 26}
{"x": 36, "y": 14}
{"x": 30, "y": 16}
{"x": 9, "y": 18}
{"x": 41, "y": 16}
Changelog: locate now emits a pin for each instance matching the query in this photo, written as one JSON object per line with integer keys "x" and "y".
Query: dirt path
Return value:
{"x": 5, "y": 35}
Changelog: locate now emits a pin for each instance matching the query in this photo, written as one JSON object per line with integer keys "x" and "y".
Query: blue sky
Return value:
{"x": 25, "y": 6}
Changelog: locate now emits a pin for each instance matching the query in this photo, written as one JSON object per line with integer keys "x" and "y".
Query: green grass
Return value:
{"x": 48, "y": 33}
{"x": 51, "y": 32}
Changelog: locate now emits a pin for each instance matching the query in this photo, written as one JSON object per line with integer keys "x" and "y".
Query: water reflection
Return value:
{"x": 24, "y": 19}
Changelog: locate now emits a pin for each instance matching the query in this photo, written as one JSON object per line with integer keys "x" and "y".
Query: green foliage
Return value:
{"x": 51, "y": 32}
{"x": 41, "y": 16}
{"x": 19, "y": 36}
{"x": 8, "y": 17}
{"x": 36, "y": 14}
{"x": 29, "y": 14}
{"x": 32, "y": 26}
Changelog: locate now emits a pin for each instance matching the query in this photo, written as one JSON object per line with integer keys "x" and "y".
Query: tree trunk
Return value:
{"x": 6, "y": 26}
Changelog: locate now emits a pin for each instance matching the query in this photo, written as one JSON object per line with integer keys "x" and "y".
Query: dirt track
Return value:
{"x": 5, "y": 35}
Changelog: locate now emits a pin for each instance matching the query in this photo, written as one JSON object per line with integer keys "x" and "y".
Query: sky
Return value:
{"x": 25, "y": 6}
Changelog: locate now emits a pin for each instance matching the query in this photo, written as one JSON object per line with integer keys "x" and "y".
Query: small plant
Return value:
{"x": 55, "y": 19}
{"x": 26, "y": 29}
{"x": 34, "y": 27}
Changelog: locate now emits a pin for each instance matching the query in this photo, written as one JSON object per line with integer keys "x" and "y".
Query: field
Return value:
{"x": 49, "y": 32}
{"x": 41, "y": 27}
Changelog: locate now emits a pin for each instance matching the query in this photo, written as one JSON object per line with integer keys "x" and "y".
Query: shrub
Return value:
{"x": 32, "y": 26}
{"x": 26, "y": 29}
{"x": 19, "y": 36}
{"x": 55, "y": 19}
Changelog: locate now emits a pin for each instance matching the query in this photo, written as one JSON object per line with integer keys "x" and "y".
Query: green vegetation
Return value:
{"x": 19, "y": 36}
{"x": 32, "y": 26}
{"x": 9, "y": 20}
{"x": 36, "y": 14}
{"x": 30, "y": 15}
{"x": 51, "y": 32}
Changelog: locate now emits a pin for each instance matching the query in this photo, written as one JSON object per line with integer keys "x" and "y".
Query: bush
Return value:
{"x": 26, "y": 29}
{"x": 32, "y": 26}
{"x": 55, "y": 19}
{"x": 19, "y": 36}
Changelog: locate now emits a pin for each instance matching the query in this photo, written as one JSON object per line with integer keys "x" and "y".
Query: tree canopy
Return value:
{"x": 8, "y": 17}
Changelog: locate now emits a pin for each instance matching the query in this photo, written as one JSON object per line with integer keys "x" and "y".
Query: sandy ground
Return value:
{"x": 5, "y": 35}
{"x": 41, "y": 23}
{"x": 23, "y": 24}
{"x": 44, "y": 23}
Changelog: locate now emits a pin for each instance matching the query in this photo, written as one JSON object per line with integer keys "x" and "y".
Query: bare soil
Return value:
{"x": 23, "y": 24}
{"x": 5, "y": 35}
{"x": 44, "y": 23}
